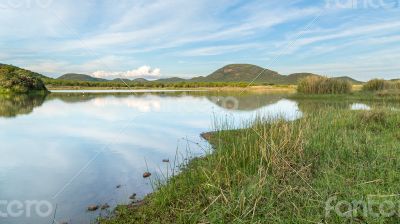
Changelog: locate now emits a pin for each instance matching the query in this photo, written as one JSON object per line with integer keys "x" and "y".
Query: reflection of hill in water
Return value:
{"x": 13, "y": 105}
{"x": 226, "y": 100}
{"x": 244, "y": 102}
{"x": 310, "y": 106}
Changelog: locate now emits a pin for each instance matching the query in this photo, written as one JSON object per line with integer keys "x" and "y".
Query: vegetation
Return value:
{"x": 52, "y": 83}
{"x": 323, "y": 85}
{"x": 285, "y": 172}
{"x": 17, "y": 80}
{"x": 381, "y": 84}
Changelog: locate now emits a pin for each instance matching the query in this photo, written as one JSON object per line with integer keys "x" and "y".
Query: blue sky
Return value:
{"x": 185, "y": 38}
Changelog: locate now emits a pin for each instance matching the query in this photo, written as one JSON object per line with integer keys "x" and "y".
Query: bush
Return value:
{"x": 323, "y": 85}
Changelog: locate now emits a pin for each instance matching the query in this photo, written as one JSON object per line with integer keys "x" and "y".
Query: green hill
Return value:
{"x": 119, "y": 80}
{"x": 294, "y": 78}
{"x": 351, "y": 80}
{"x": 232, "y": 73}
{"x": 243, "y": 73}
{"x": 173, "y": 79}
{"x": 80, "y": 77}
{"x": 140, "y": 80}
{"x": 18, "y": 80}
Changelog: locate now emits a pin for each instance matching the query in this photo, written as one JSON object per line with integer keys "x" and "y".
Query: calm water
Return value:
{"x": 73, "y": 149}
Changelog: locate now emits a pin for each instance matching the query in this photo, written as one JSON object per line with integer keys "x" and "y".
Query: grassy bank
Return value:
{"x": 285, "y": 172}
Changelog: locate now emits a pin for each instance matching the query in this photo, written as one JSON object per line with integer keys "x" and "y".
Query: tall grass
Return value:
{"x": 283, "y": 172}
{"x": 381, "y": 84}
{"x": 323, "y": 85}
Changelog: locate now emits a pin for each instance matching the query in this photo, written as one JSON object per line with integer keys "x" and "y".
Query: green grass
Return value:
{"x": 283, "y": 172}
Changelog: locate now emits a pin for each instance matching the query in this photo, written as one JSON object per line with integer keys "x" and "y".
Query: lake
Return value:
{"x": 72, "y": 149}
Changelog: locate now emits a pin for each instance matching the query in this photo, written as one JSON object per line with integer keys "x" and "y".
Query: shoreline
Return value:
{"x": 247, "y": 174}
{"x": 250, "y": 88}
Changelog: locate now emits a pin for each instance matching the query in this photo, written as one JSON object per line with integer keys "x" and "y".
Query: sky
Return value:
{"x": 185, "y": 38}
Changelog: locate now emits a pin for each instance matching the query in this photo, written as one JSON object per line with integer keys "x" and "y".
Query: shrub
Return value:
{"x": 323, "y": 85}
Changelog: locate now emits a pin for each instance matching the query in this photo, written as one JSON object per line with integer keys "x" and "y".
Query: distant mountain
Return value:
{"x": 119, "y": 80}
{"x": 243, "y": 73}
{"x": 294, "y": 78}
{"x": 173, "y": 79}
{"x": 81, "y": 77}
{"x": 231, "y": 73}
{"x": 140, "y": 80}
{"x": 351, "y": 80}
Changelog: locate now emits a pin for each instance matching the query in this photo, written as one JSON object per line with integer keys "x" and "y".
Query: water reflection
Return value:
{"x": 119, "y": 135}
{"x": 359, "y": 106}
{"x": 14, "y": 105}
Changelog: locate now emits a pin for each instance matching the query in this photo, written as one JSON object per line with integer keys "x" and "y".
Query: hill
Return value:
{"x": 118, "y": 80}
{"x": 18, "y": 80}
{"x": 80, "y": 77}
{"x": 294, "y": 78}
{"x": 243, "y": 73}
{"x": 140, "y": 80}
{"x": 232, "y": 73}
{"x": 351, "y": 80}
{"x": 173, "y": 79}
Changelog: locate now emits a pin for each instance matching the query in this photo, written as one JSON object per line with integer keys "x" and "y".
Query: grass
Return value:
{"x": 381, "y": 85}
{"x": 284, "y": 172}
{"x": 323, "y": 85}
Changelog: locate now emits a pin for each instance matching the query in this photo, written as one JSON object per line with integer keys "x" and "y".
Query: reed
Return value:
{"x": 323, "y": 85}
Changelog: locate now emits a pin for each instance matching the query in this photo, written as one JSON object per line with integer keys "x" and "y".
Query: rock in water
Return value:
{"x": 132, "y": 197}
{"x": 146, "y": 175}
{"x": 93, "y": 208}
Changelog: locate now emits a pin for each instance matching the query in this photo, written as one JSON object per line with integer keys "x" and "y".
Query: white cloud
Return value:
{"x": 141, "y": 72}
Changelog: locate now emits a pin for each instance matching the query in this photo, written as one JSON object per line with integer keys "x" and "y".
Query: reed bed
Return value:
{"x": 380, "y": 85}
{"x": 323, "y": 85}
